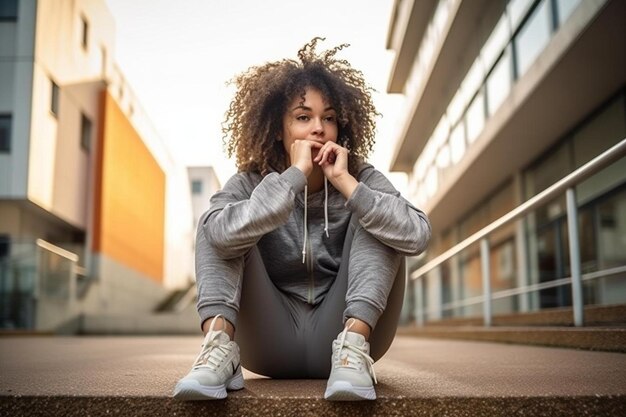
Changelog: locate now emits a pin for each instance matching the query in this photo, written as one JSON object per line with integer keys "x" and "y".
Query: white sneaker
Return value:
{"x": 352, "y": 369}
{"x": 215, "y": 370}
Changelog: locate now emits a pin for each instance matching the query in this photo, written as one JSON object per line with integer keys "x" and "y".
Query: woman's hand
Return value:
{"x": 333, "y": 159}
{"x": 301, "y": 155}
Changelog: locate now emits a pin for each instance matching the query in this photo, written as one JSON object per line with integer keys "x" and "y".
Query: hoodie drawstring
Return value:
{"x": 306, "y": 230}
{"x": 306, "y": 191}
{"x": 326, "y": 206}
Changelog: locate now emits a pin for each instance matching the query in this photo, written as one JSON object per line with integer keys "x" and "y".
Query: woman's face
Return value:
{"x": 314, "y": 119}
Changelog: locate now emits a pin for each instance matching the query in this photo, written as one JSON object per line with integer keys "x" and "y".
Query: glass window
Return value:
{"x": 443, "y": 158}
{"x": 612, "y": 229}
{"x": 517, "y": 9}
{"x": 598, "y": 134}
{"x": 54, "y": 99}
{"x": 496, "y": 42}
{"x": 587, "y": 236}
{"x": 431, "y": 181}
{"x": 503, "y": 265}
{"x": 456, "y": 107}
{"x": 5, "y": 132}
{"x": 533, "y": 37}
{"x": 565, "y": 8}
{"x": 85, "y": 32}
{"x": 440, "y": 134}
{"x": 430, "y": 153}
{"x": 5, "y": 245}
{"x": 553, "y": 166}
{"x": 419, "y": 169}
{"x": 475, "y": 117}
{"x": 499, "y": 82}
{"x": 604, "y": 130}
{"x": 196, "y": 187}
{"x": 473, "y": 79}
{"x": 457, "y": 143}
{"x": 8, "y": 10}
{"x": 85, "y": 132}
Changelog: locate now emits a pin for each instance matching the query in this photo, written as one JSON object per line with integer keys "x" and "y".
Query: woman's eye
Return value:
{"x": 302, "y": 117}
{"x": 330, "y": 119}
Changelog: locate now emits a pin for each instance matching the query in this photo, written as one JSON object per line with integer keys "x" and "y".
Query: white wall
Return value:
{"x": 59, "y": 170}
{"x": 210, "y": 184}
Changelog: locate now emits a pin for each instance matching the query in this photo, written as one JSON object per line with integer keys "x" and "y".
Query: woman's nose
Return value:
{"x": 318, "y": 127}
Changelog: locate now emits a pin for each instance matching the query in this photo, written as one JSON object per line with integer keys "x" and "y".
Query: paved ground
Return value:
{"x": 37, "y": 373}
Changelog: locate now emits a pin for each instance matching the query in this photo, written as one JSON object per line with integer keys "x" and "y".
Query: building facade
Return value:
{"x": 504, "y": 99}
{"x": 204, "y": 183}
{"x": 95, "y": 213}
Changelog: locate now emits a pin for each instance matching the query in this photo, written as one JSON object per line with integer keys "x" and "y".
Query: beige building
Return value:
{"x": 504, "y": 99}
{"x": 95, "y": 213}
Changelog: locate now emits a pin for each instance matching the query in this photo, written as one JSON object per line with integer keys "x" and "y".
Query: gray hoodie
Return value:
{"x": 301, "y": 238}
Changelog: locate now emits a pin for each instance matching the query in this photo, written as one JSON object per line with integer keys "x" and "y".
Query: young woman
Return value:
{"x": 306, "y": 241}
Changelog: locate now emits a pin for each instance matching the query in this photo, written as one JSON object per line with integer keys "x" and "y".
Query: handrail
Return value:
{"x": 533, "y": 287}
{"x": 601, "y": 161}
{"x": 57, "y": 250}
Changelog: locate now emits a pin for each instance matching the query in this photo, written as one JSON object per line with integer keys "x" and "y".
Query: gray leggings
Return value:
{"x": 283, "y": 337}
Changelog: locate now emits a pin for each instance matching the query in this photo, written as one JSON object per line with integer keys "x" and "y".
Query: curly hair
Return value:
{"x": 253, "y": 122}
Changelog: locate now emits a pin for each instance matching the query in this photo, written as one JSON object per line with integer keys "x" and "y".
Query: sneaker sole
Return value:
{"x": 192, "y": 390}
{"x": 344, "y": 391}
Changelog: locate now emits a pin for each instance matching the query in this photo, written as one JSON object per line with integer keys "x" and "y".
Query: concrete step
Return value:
{"x": 605, "y": 315}
{"x": 610, "y": 339}
{"x": 136, "y": 375}
{"x": 184, "y": 322}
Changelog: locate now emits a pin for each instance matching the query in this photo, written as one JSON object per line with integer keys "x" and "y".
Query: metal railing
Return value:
{"x": 566, "y": 185}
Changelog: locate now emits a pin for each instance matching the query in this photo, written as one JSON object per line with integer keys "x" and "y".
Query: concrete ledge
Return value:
{"x": 185, "y": 322}
{"x": 609, "y": 339}
{"x": 418, "y": 376}
{"x": 234, "y": 406}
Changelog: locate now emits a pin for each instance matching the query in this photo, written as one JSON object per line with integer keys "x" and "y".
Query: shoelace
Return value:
{"x": 351, "y": 356}
{"x": 213, "y": 351}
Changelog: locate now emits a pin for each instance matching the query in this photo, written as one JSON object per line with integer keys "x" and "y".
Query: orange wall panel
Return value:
{"x": 130, "y": 197}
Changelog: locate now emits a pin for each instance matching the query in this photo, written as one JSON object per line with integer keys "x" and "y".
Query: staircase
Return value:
{"x": 604, "y": 330}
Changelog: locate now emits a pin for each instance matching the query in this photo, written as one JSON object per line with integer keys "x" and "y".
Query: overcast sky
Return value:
{"x": 178, "y": 55}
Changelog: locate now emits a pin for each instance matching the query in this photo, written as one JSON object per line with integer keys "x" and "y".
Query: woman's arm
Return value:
{"x": 387, "y": 216}
{"x": 237, "y": 219}
{"x": 380, "y": 208}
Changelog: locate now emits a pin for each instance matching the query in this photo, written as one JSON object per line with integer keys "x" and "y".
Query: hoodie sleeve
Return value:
{"x": 240, "y": 214}
{"x": 385, "y": 214}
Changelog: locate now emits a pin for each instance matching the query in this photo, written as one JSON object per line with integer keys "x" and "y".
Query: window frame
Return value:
{"x": 13, "y": 17}
{"x": 55, "y": 93}
{"x": 5, "y": 244}
{"x": 84, "y": 35}
{"x": 195, "y": 191}
{"x": 86, "y": 135}
{"x": 7, "y": 148}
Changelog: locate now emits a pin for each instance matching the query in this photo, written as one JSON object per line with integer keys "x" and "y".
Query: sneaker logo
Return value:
{"x": 232, "y": 364}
